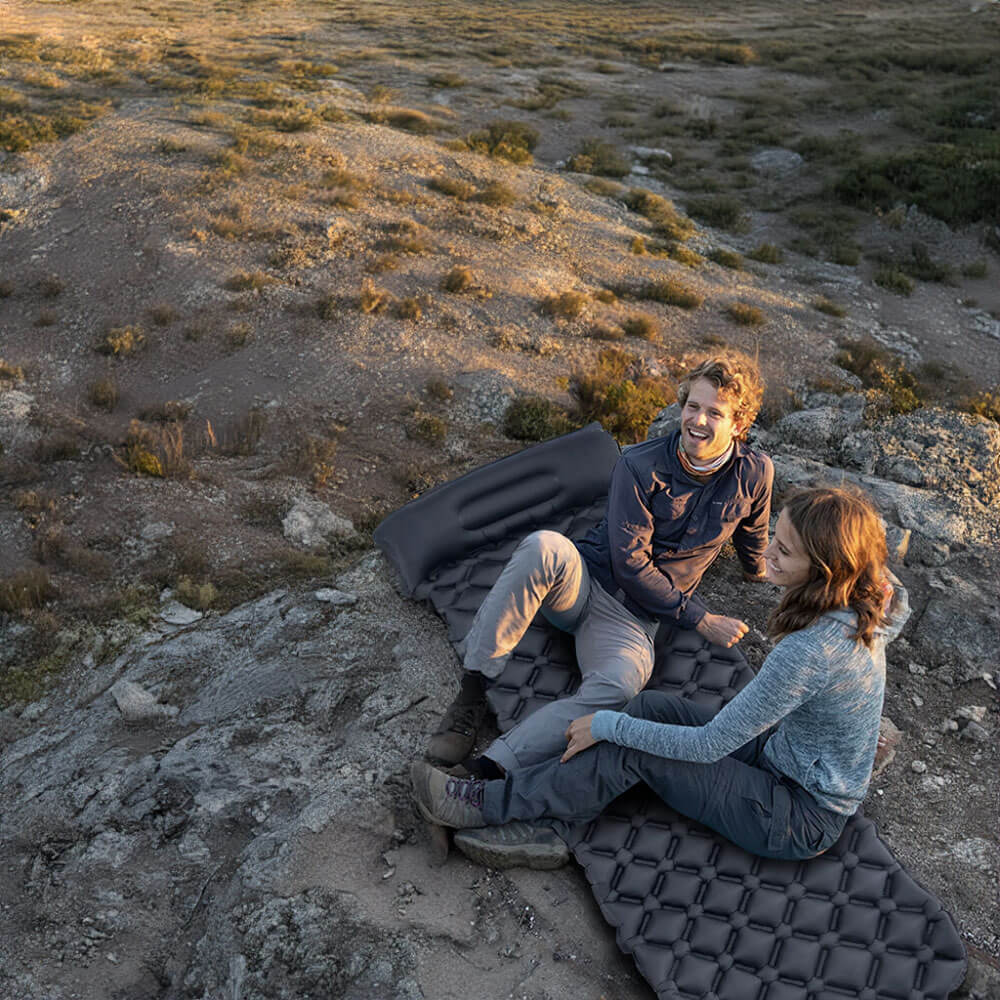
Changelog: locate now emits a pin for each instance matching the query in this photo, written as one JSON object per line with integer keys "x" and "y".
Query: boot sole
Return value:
{"x": 540, "y": 857}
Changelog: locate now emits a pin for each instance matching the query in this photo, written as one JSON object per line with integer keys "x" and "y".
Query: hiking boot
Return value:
{"x": 456, "y": 736}
{"x": 514, "y": 845}
{"x": 444, "y": 800}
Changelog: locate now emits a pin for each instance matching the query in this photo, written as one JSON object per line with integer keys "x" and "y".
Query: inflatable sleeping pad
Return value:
{"x": 701, "y": 917}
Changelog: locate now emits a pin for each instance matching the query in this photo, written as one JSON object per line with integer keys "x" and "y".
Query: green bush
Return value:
{"x": 894, "y": 279}
{"x": 672, "y": 292}
{"x": 601, "y": 158}
{"x": 609, "y": 392}
{"x": 880, "y": 371}
{"x": 955, "y": 184}
{"x": 746, "y": 314}
{"x": 727, "y": 258}
{"x": 506, "y": 140}
{"x": 722, "y": 211}
{"x": 534, "y": 418}
{"x": 666, "y": 219}
{"x": 767, "y": 253}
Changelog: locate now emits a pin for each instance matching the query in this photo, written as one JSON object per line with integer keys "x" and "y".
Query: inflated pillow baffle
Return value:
{"x": 702, "y": 918}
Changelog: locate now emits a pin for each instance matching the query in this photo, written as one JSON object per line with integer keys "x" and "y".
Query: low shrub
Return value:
{"x": 568, "y": 305}
{"x": 601, "y": 158}
{"x": 606, "y": 331}
{"x": 248, "y": 281}
{"x": 505, "y": 140}
{"x": 103, "y": 393}
{"x": 727, "y": 258}
{"x": 825, "y": 305}
{"x": 25, "y": 589}
{"x": 685, "y": 255}
{"x": 976, "y": 269}
{"x": 9, "y": 372}
{"x": 459, "y": 279}
{"x": 767, "y": 253}
{"x": 879, "y": 370}
{"x": 496, "y": 194}
{"x": 200, "y": 596}
{"x": 427, "y": 428}
{"x": 373, "y": 299}
{"x": 642, "y": 326}
{"x": 746, "y": 314}
{"x": 163, "y": 314}
{"x": 722, "y": 211}
{"x": 122, "y": 341}
{"x": 454, "y": 187}
{"x": 409, "y": 308}
{"x": 984, "y": 404}
{"x": 155, "y": 451}
{"x": 893, "y": 279}
{"x": 534, "y": 418}
{"x": 666, "y": 219}
{"x": 611, "y": 392}
{"x": 672, "y": 292}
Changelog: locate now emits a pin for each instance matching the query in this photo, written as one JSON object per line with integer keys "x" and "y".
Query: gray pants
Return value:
{"x": 613, "y": 648}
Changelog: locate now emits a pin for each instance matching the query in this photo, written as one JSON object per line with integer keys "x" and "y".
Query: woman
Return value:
{"x": 781, "y": 767}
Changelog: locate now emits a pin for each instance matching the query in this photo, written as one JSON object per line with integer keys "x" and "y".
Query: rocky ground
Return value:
{"x": 218, "y": 806}
{"x": 210, "y": 689}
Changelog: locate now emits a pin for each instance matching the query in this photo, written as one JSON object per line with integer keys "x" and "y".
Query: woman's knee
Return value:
{"x": 656, "y": 705}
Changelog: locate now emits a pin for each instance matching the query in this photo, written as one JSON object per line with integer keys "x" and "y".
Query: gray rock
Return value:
{"x": 776, "y": 161}
{"x": 665, "y": 422}
{"x": 312, "y": 524}
{"x": 175, "y": 613}
{"x": 651, "y": 153}
{"x": 820, "y": 431}
{"x": 975, "y": 732}
{"x": 137, "y": 705}
{"x": 330, "y": 595}
{"x": 155, "y": 530}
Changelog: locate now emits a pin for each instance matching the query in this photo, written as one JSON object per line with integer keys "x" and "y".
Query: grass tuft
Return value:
{"x": 767, "y": 253}
{"x": 534, "y": 418}
{"x": 672, "y": 292}
{"x": 825, "y": 305}
{"x": 746, "y": 314}
{"x": 122, "y": 341}
{"x": 103, "y": 393}
{"x": 568, "y": 304}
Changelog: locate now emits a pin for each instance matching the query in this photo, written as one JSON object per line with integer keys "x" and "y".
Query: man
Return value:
{"x": 672, "y": 505}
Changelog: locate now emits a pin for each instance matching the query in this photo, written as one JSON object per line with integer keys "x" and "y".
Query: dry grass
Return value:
{"x": 372, "y": 298}
{"x": 454, "y": 187}
{"x": 642, "y": 326}
{"x": 566, "y": 305}
{"x": 103, "y": 393}
{"x": 459, "y": 279}
{"x": 9, "y": 372}
{"x": 156, "y": 451}
{"x": 248, "y": 281}
{"x": 746, "y": 314}
{"x": 122, "y": 341}
{"x": 25, "y": 589}
{"x": 831, "y": 308}
{"x": 672, "y": 292}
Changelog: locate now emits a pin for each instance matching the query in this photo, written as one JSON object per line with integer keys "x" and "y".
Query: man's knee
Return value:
{"x": 547, "y": 544}
{"x": 612, "y": 691}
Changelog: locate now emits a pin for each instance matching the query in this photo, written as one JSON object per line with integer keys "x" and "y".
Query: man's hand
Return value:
{"x": 578, "y": 737}
{"x": 720, "y": 630}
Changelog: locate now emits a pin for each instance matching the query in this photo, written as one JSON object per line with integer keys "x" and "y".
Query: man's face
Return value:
{"x": 707, "y": 424}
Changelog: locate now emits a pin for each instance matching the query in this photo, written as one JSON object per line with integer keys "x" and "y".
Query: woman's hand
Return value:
{"x": 578, "y": 737}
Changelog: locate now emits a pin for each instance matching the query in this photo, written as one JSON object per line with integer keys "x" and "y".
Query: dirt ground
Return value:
{"x": 273, "y": 198}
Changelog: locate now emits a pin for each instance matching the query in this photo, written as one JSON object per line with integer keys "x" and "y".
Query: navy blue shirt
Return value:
{"x": 664, "y": 527}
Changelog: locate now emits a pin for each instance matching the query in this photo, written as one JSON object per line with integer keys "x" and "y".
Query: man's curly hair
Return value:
{"x": 737, "y": 378}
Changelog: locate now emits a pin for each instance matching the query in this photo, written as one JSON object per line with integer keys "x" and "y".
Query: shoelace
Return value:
{"x": 465, "y": 790}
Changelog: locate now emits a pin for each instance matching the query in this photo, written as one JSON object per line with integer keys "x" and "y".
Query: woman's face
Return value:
{"x": 787, "y": 563}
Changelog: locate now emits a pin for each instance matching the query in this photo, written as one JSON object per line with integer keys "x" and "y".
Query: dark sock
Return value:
{"x": 483, "y": 767}
{"x": 473, "y": 688}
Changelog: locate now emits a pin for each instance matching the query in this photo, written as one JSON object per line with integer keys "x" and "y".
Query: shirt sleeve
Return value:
{"x": 750, "y": 536}
{"x": 630, "y": 533}
{"x": 796, "y": 670}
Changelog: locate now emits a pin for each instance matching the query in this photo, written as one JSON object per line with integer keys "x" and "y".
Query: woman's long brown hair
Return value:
{"x": 845, "y": 541}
